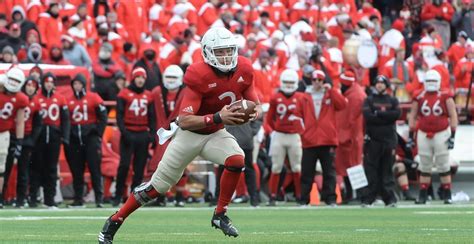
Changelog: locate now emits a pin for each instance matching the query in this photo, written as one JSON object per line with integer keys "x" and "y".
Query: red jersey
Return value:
{"x": 83, "y": 111}
{"x": 432, "y": 111}
{"x": 207, "y": 93}
{"x": 30, "y": 111}
{"x": 51, "y": 108}
{"x": 171, "y": 101}
{"x": 285, "y": 113}
{"x": 136, "y": 109}
{"x": 9, "y": 105}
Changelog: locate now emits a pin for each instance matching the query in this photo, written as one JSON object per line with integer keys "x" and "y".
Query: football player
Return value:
{"x": 166, "y": 101}
{"x": 437, "y": 122}
{"x": 12, "y": 114}
{"x": 88, "y": 120}
{"x": 55, "y": 129}
{"x": 211, "y": 86}
{"x": 285, "y": 118}
{"x": 136, "y": 122}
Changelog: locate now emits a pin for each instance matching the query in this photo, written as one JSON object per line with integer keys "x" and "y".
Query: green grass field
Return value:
{"x": 286, "y": 224}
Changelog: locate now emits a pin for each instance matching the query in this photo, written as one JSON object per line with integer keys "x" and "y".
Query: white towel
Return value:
{"x": 164, "y": 134}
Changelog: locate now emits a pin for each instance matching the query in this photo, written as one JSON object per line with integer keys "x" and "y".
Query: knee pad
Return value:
{"x": 141, "y": 193}
{"x": 165, "y": 177}
{"x": 425, "y": 174}
{"x": 296, "y": 168}
{"x": 454, "y": 169}
{"x": 445, "y": 174}
{"x": 426, "y": 164}
{"x": 399, "y": 170}
{"x": 442, "y": 163}
{"x": 235, "y": 163}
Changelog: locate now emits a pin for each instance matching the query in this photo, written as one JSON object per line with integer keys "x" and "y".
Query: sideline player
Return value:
{"x": 285, "y": 118}
{"x": 437, "y": 122}
{"x": 211, "y": 85}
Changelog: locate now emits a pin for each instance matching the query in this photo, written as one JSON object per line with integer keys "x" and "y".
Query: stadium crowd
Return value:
{"x": 134, "y": 54}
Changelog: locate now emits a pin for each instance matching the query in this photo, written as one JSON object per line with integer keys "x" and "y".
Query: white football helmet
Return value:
{"x": 173, "y": 77}
{"x": 15, "y": 80}
{"x": 288, "y": 81}
{"x": 218, "y": 38}
{"x": 432, "y": 81}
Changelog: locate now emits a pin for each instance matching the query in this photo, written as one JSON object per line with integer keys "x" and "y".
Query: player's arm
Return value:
{"x": 190, "y": 105}
{"x": 20, "y": 124}
{"x": 412, "y": 116}
{"x": 101, "y": 113}
{"x": 453, "y": 116}
{"x": 65, "y": 123}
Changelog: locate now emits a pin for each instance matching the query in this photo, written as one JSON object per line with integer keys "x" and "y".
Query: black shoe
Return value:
{"x": 99, "y": 205}
{"x": 272, "y": 202}
{"x": 116, "y": 201}
{"x": 407, "y": 196}
{"x": 76, "y": 204}
{"x": 106, "y": 236}
{"x": 422, "y": 197}
{"x": 221, "y": 221}
{"x": 33, "y": 204}
{"x": 1, "y": 200}
{"x": 447, "y": 196}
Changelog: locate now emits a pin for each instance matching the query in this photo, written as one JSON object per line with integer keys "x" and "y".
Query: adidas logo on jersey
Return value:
{"x": 240, "y": 79}
{"x": 188, "y": 109}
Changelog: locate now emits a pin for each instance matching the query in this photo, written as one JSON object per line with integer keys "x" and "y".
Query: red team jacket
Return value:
{"x": 9, "y": 105}
{"x": 83, "y": 111}
{"x": 285, "y": 114}
{"x": 32, "y": 108}
{"x": 207, "y": 92}
{"x": 322, "y": 131}
{"x": 51, "y": 108}
{"x": 432, "y": 111}
{"x": 136, "y": 109}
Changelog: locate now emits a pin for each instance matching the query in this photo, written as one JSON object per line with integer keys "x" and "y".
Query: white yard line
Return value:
{"x": 246, "y": 208}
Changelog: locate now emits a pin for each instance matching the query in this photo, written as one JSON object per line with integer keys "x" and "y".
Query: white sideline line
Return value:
{"x": 443, "y": 212}
{"x": 246, "y": 208}
{"x": 34, "y": 218}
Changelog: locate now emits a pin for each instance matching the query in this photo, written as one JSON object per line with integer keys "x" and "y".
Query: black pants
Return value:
{"x": 378, "y": 163}
{"x": 44, "y": 167}
{"x": 136, "y": 146}
{"x": 325, "y": 154}
{"x": 22, "y": 172}
{"x": 77, "y": 155}
{"x": 250, "y": 177}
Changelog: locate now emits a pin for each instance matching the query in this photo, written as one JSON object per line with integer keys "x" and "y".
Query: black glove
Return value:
{"x": 18, "y": 148}
{"x": 410, "y": 142}
{"x": 411, "y": 164}
{"x": 450, "y": 143}
{"x": 65, "y": 141}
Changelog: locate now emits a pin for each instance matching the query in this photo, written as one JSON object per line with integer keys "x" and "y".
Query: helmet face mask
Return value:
{"x": 288, "y": 81}
{"x": 173, "y": 77}
{"x": 219, "y": 49}
{"x": 432, "y": 81}
{"x": 15, "y": 80}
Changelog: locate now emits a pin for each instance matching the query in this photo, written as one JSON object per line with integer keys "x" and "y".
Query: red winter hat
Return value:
{"x": 318, "y": 74}
{"x": 138, "y": 71}
{"x": 398, "y": 25}
{"x": 347, "y": 78}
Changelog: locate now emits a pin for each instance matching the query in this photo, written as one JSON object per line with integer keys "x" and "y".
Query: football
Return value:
{"x": 247, "y": 107}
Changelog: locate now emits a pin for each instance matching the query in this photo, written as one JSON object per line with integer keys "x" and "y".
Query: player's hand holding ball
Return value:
{"x": 242, "y": 112}
{"x": 230, "y": 115}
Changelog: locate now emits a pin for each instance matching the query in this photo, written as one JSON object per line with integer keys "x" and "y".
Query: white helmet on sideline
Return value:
{"x": 432, "y": 81}
{"x": 173, "y": 77}
{"x": 15, "y": 80}
{"x": 289, "y": 81}
{"x": 219, "y": 38}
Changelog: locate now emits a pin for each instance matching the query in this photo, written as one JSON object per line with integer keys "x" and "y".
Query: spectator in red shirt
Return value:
{"x": 50, "y": 26}
{"x": 104, "y": 69}
{"x": 439, "y": 13}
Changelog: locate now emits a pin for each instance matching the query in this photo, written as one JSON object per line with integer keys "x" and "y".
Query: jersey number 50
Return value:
{"x": 52, "y": 112}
